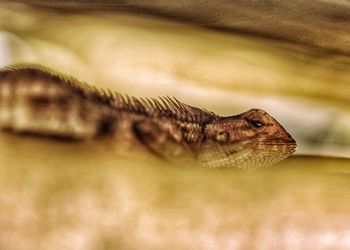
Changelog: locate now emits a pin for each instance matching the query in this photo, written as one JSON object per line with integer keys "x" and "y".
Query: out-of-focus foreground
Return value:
{"x": 59, "y": 196}
{"x": 291, "y": 59}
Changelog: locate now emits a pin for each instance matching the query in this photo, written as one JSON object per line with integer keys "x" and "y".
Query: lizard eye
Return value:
{"x": 222, "y": 136}
{"x": 256, "y": 124}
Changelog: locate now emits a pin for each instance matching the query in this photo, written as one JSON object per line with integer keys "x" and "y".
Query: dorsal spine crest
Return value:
{"x": 165, "y": 106}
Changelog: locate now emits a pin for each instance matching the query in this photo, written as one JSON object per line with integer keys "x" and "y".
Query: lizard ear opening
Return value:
{"x": 222, "y": 137}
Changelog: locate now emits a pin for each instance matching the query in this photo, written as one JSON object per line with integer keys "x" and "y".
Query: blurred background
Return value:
{"x": 291, "y": 58}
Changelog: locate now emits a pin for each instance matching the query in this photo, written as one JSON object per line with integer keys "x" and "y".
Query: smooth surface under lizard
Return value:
{"x": 39, "y": 101}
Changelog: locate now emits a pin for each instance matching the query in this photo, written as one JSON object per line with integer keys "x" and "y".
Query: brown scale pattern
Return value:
{"x": 42, "y": 101}
{"x": 162, "y": 106}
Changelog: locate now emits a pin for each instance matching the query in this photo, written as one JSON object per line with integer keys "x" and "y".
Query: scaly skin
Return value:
{"x": 39, "y": 101}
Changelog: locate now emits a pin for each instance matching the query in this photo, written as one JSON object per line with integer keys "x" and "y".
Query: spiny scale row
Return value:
{"x": 160, "y": 107}
{"x": 163, "y": 107}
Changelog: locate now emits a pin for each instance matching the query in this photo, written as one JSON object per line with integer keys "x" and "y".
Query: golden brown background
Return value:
{"x": 290, "y": 58}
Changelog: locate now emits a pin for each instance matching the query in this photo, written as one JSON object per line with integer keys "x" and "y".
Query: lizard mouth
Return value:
{"x": 288, "y": 144}
{"x": 278, "y": 141}
{"x": 287, "y": 140}
{"x": 290, "y": 141}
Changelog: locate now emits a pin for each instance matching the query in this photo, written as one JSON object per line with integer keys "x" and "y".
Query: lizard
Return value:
{"x": 41, "y": 101}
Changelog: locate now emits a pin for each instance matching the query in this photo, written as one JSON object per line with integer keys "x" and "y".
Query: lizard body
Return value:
{"x": 40, "y": 101}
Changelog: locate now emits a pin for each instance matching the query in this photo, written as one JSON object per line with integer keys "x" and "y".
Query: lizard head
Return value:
{"x": 252, "y": 139}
